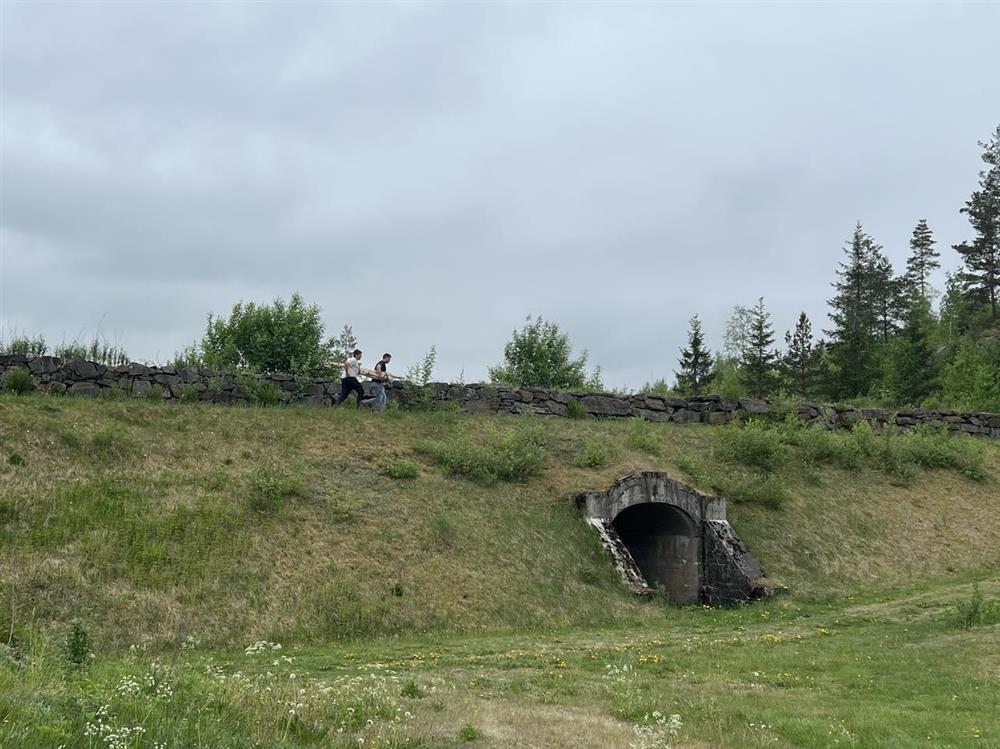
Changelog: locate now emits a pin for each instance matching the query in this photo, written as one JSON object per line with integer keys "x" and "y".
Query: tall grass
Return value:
{"x": 517, "y": 455}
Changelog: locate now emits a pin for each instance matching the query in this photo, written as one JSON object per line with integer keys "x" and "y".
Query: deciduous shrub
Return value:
{"x": 642, "y": 436}
{"x": 756, "y": 489}
{"x": 515, "y": 456}
{"x": 753, "y": 444}
{"x": 596, "y": 455}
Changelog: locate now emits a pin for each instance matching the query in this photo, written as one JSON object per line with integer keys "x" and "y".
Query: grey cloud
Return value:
{"x": 432, "y": 173}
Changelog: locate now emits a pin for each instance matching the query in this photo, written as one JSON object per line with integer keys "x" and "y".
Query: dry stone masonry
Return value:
{"x": 53, "y": 375}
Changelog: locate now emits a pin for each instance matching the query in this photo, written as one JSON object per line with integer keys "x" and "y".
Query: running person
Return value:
{"x": 379, "y": 380}
{"x": 349, "y": 383}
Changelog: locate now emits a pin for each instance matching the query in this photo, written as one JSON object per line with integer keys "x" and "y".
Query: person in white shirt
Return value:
{"x": 349, "y": 383}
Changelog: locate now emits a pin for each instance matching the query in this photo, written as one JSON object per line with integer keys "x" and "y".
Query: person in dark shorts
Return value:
{"x": 349, "y": 383}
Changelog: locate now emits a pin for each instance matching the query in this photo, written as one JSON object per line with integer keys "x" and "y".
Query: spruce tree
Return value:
{"x": 910, "y": 368}
{"x": 921, "y": 263}
{"x": 885, "y": 293}
{"x": 695, "y": 361}
{"x": 759, "y": 364}
{"x": 981, "y": 256}
{"x": 852, "y": 341}
{"x": 798, "y": 364}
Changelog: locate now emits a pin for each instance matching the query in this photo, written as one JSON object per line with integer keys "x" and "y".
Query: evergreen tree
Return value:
{"x": 759, "y": 364}
{"x": 695, "y": 361}
{"x": 922, "y": 261}
{"x": 981, "y": 256}
{"x": 852, "y": 339}
{"x": 799, "y": 362}
{"x": 885, "y": 293}
{"x": 910, "y": 368}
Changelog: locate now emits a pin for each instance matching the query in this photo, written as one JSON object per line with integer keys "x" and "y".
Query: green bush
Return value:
{"x": 757, "y": 489}
{"x": 515, "y": 456}
{"x": 753, "y": 444}
{"x": 642, "y": 436}
{"x": 540, "y": 355}
{"x": 268, "y": 487}
{"x": 77, "y": 650}
{"x": 16, "y": 459}
{"x": 411, "y": 689}
{"x": 596, "y": 455}
{"x": 17, "y": 381}
{"x": 575, "y": 409}
{"x": 401, "y": 469}
{"x": 277, "y": 337}
{"x": 977, "y": 611}
{"x": 468, "y": 732}
{"x": 937, "y": 448}
{"x": 189, "y": 394}
{"x": 266, "y": 394}
{"x": 820, "y": 446}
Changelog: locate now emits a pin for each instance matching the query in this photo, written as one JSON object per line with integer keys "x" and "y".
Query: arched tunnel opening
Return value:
{"x": 665, "y": 543}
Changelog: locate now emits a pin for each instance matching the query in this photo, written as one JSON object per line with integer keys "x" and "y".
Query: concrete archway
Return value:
{"x": 660, "y": 532}
{"x": 665, "y": 543}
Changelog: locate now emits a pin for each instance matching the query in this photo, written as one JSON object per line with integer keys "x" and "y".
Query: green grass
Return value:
{"x": 191, "y": 532}
{"x": 782, "y": 673}
{"x": 16, "y": 380}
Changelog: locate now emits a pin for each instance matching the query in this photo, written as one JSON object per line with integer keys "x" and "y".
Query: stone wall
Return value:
{"x": 54, "y": 375}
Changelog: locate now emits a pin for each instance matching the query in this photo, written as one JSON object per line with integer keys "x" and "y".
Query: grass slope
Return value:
{"x": 432, "y": 586}
{"x": 153, "y": 522}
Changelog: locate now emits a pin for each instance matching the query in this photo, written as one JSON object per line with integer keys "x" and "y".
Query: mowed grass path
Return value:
{"x": 890, "y": 671}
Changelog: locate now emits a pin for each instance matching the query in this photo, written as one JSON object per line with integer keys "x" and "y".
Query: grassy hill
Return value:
{"x": 432, "y": 565}
{"x": 156, "y": 522}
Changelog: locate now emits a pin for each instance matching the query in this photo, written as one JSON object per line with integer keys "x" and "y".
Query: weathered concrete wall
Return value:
{"x": 54, "y": 375}
{"x": 694, "y": 554}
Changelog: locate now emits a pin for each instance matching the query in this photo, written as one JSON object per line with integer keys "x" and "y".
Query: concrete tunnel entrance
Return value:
{"x": 665, "y": 543}
{"x": 659, "y": 532}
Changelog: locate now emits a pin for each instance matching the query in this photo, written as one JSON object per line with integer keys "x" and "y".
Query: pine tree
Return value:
{"x": 695, "y": 361}
{"x": 885, "y": 293}
{"x": 798, "y": 364}
{"x": 982, "y": 255}
{"x": 759, "y": 363}
{"x": 922, "y": 262}
{"x": 910, "y": 368}
{"x": 852, "y": 339}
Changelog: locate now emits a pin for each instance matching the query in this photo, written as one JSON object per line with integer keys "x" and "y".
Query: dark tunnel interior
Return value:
{"x": 666, "y": 545}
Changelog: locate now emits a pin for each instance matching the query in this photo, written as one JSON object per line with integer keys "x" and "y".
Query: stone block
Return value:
{"x": 84, "y": 370}
{"x": 717, "y": 418}
{"x": 84, "y": 388}
{"x": 44, "y": 365}
{"x": 605, "y": 405}
{"x": 755, "y": 406}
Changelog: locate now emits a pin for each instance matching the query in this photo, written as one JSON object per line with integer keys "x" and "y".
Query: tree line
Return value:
{"x": 887, "y": 341}
{"x": 892, "y": 338}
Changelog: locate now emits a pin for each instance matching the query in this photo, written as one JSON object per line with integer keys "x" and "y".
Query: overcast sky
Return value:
{"x": 431, "y": 174}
